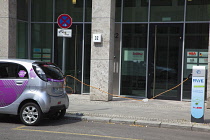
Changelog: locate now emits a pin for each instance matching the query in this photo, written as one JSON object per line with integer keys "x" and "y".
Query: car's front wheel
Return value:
{"x": 30, "y": 114}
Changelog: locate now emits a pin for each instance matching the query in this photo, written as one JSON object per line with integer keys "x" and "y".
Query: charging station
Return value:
{"x": 198, "y": 94}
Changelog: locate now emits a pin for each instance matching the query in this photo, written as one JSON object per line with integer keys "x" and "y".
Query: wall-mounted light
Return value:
{"x": 74, "y": 1}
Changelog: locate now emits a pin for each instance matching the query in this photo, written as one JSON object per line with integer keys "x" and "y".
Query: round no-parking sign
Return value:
{"x": 64, "y": 21}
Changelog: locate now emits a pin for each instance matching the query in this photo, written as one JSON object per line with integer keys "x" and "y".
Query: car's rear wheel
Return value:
{"x": 30, "y": 114}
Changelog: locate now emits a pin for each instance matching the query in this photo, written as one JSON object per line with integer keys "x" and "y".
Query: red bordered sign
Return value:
{"x": 64, "y": 21}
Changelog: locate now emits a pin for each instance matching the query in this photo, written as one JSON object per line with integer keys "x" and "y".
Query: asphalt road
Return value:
{"x": 66, "y": 129}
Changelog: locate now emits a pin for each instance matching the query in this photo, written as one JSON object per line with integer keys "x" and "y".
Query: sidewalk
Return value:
{"x": 155, "y": 113}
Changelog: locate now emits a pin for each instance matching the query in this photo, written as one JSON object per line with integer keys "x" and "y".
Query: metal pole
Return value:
{"x": 155, "y": 53}
{"x": 64, "y": 56}
{"x": 75, "y": 59}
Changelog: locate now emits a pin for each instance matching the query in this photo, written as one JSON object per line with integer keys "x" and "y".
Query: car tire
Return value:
{"x": 58, "y": 115}
{"x": 30, "y": 114}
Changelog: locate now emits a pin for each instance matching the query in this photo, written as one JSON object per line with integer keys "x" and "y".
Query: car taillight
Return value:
{"x": 40, "y": 73}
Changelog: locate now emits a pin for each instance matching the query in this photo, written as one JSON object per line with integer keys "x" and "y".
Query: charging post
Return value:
{"x": 198, "y": 94}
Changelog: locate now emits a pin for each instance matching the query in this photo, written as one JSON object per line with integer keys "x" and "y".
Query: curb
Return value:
{"x": 183, "y": 126}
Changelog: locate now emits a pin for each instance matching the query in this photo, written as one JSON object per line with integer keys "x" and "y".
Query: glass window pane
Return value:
{"x": 196, "y": 51}
{"x": 198, "y": 10}
{"x": 22, "y": 10}
{"x": 118, "y": 10}
{"x": 51, "y": 70}
{"x": 88, "y": 11}
{"x": 134, "y": 50}
{"x": 135, "y": 11}
{"x": 41, "y": 42}
{"x": 87, "y": 51}
{"x": 42, "y": 10}
{"x": 167, "y": 10}
{"x": 73, "y": 56}
{"x": 72, "y": 8}
{"x": 11, "y": 70}
{"x": 22, "y": 39}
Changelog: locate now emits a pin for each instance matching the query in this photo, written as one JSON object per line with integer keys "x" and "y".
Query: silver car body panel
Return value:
{"x": 46, "y": 94}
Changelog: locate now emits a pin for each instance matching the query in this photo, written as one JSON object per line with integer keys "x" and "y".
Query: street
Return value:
{"x": 12, "y": 129}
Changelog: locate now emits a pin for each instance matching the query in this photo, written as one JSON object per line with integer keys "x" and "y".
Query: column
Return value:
{"x": 102, "y": 54}
{"x": 8, "y": 19}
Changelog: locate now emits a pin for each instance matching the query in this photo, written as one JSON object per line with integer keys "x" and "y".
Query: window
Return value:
{"x": 166, "y": 11}
{"x": 130, "y": 3}
{"x": 198, "y": 10}
{"x": 22, "y": 10}
{"x": 161, "y": 2}
{"x": 133, "y": 11}
{"x": 12, "y": 71}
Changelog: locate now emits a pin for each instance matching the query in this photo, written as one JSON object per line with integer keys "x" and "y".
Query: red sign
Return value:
{"x": 137, "y": 53}
{"x": 192, "y": 53}
{"x": 64, "y": 21}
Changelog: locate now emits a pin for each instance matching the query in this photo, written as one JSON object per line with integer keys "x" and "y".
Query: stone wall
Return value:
{"x": 8, "y": 22}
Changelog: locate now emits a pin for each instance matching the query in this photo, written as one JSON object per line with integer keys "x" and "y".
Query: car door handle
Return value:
{"x": 19, "y": 82}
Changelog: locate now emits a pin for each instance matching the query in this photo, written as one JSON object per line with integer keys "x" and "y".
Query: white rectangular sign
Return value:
{"x": 64, "y": 33}
{"x": 133, "y": 55}
{"x": 97, "y": 38}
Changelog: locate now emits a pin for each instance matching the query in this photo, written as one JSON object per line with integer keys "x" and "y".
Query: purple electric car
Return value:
{"x": 31, "y": 89}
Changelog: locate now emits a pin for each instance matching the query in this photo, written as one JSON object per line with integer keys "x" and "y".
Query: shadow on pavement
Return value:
{"x": 9, "y": 119}
{"x": 12, "y": 119}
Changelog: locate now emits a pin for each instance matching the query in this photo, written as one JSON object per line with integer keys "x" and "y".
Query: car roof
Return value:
{"x": 19, "y": 60}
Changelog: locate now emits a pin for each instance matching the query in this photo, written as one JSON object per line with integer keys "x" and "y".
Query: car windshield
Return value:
{"x": 51, "y": 70}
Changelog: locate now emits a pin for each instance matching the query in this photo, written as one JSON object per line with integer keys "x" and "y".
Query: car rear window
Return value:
{"x": 51, "y": 70}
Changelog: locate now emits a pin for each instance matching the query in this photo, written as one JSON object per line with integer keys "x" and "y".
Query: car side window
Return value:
{"x": 12, "y": 71}
{"x": 22, "y": 72}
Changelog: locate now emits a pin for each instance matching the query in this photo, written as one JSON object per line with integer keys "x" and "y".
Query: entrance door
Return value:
{"x": 164, "y": 62}
{"x": 73, "y": 57}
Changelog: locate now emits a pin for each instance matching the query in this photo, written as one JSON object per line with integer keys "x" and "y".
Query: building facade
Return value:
{"x": 147, "y": 46}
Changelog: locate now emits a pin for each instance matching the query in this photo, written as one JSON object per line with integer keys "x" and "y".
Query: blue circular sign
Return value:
{"x": 64, "y": 21}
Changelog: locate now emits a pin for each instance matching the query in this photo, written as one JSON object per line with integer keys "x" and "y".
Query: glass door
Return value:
{"x": 164, "y": 62}
{"x": 133, "y": 60}
{"x": 73, "y": 58}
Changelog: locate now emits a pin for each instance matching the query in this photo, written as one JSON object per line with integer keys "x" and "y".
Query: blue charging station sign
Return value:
{"x": 198, "y": 94}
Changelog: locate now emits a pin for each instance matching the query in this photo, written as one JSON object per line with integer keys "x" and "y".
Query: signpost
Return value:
{"x": 64, "y": 21}
{"x": 198, "y": 94}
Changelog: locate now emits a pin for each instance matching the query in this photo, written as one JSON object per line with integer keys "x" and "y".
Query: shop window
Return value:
{"x": 75, "y": 10}
{"x": 22, "y": 39}
{"x": 198, "y": 2}
{"x": 41, "y": 42}
{"x": 22, "y": 10}
{"x": 130, "y": 3}
{"x": 198, "y": 10}
{"x": 161, "y": 3}
{"x": 166, "y": 11}
{"x": 42, "y": 10}
{"x": 134, "y": 12}
{"x": 196, "y": 51}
